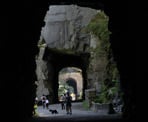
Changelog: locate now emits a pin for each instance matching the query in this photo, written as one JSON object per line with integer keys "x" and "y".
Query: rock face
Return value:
{"x": 63, "y": 25}
{"x": 63, "y": 31}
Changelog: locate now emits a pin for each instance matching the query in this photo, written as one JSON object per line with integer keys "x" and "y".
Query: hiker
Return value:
{"x": 47, "y": 103}
{"x": 35, "y": 109}
{"x": 43, "y": 98}
{"x": 62, "y": 99}
{"x": 68, "y": 103}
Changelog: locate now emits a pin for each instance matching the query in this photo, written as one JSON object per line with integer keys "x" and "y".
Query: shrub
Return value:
{"x": 85, "y": 104}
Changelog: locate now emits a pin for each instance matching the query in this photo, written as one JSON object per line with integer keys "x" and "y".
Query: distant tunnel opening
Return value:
{"x": 71, "y": 80}
{"x": 57, "y": 61}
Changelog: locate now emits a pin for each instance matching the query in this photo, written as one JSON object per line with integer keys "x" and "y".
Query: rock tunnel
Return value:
{"x": 61, "y": 60}
{"x": 21, "y": 24}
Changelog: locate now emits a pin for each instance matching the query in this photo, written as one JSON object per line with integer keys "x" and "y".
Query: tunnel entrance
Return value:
{"x": 71, "y": 80}
{"x": 56, "y": 63}
{"x": 87, "y": 54}
{"x": 79, "y": 38}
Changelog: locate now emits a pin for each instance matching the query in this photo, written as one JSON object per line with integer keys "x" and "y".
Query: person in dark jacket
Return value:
{"x": 68, "y": 104}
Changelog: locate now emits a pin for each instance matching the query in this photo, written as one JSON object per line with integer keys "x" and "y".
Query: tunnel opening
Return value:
{"x": 56, "y": 59}
{"x": 71, "y": 80}
{"x": 22, "y": 72}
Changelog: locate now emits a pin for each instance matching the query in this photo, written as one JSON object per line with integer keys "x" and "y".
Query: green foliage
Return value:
{"x": 63, "y": 89}
{"x": 99, "y": 27}
{"x": 112, "y": 92}
{"x": 101, "y": 98}
{"x": 111, "y": 70}
{"x": 108, "y": 92}
{"x": 85, "y": 105}
{"x": 35, "y": 112}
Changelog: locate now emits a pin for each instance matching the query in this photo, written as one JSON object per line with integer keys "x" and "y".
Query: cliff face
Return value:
{"x": 64, "y": 32}
{"x": 63, "y": 25}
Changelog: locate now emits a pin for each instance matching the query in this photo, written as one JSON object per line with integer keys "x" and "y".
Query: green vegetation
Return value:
{"x": 63, "y": 88}
{"x": 99, "y": 27}
{"x": 110, "y": 90}
{"x": 85, "y": 105}
{"x": 108, "y": 93}
{"x": 101, "y": 98}
{"x": 35, "y": 112}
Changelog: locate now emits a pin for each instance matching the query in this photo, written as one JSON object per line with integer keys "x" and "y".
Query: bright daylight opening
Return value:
{"x": 70, "y": 80}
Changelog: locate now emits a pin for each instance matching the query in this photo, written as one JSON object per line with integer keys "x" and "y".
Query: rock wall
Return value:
{"x": 64, "y": 31}
{"x": 63, "y": 25}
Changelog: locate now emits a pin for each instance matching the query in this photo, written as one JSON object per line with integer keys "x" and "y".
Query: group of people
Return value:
{"x": 45, "y": 103}
{"x": 65, "y": 99}
{"x": 66, "y": 102}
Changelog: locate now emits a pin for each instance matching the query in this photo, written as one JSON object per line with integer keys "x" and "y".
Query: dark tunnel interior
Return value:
{"x": 21, "y": 25}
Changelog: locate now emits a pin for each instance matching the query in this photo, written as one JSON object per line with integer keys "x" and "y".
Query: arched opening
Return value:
{"x": 72, "y": 88}
{"x": 55, "y": 62}
{"x": 71, "y": 80}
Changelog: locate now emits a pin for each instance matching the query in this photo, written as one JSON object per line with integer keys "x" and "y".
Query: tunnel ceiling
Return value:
{"x": 61, "y": 60}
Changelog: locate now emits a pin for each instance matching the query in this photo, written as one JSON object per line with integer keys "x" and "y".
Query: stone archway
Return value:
{"x": 77, "y": 86}
{"x": 54, "y": 62}
{"x": 71, "y": 79}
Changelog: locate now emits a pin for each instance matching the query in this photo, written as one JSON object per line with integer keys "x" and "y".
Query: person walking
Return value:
{"x": 47, "y": 103}
{"x": 68, "y": 104}
{"x": 43, "y": 98}
{"x": 63, "y": 97}
{"x": 36, "y": 100}
{"x": 35, "y": 107}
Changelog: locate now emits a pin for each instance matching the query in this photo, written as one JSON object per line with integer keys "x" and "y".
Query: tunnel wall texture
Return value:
{"x": 21, "y": 25}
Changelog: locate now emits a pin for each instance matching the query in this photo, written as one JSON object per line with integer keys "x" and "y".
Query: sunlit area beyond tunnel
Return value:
{"x": 70, "y": 80}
